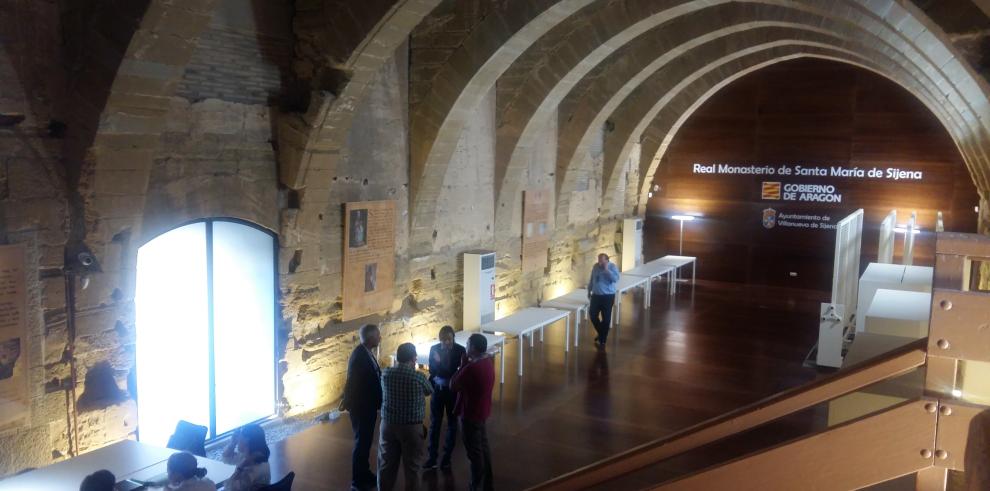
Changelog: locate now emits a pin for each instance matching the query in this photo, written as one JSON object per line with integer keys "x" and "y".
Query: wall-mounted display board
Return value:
{"x": 13, "y": 336}
{"x": 369, "y": 258}
{"x": 774, "y": 160}
{"x": 536, "y": 229}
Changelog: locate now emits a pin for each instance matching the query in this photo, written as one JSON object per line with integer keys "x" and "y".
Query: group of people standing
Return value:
{"x": 460, "y": 389}
{"x": 460, "y": 385}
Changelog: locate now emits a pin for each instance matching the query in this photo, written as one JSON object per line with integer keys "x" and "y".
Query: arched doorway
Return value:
{"x": 205, "y": 313}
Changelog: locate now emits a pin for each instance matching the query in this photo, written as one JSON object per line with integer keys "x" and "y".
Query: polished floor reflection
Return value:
{"x": 708, "y": 350}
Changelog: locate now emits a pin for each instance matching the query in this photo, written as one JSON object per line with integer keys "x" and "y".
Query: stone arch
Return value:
{"x": 632, "y": 110}
{"x": 464, "y": 80}
{"x": 550, "y": 103}
{"x": 669, "y": 124}
{"x": 310, "y": 142}
{"x": 599, "y": 103}
{"x": 850, "y": 11}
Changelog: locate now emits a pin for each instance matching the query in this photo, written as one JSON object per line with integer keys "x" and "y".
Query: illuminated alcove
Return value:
{"x": 205, "y": 328}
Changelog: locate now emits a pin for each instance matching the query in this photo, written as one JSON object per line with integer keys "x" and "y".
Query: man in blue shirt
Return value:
{"x": 601, "y": 290}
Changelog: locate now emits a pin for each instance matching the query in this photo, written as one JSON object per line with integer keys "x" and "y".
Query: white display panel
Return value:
{"x": 243, "y": 330}
{"x": 885, "y": 250}
{"x": 172, "y": 345}
{"x": 909, "y": 239}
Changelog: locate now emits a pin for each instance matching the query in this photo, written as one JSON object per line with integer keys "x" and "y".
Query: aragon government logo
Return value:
{"x": 769, "y": 218}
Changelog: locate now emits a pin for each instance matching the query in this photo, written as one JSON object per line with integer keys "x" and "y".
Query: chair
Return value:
{"x": 284, "y": 485}
{"x": 189, "y": 437}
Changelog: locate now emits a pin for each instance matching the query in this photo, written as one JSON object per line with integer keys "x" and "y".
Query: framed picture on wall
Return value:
{"x": 359, "y": 228}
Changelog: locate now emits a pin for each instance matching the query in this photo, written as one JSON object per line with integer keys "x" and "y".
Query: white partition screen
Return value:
{"x": 845, "y": 272}
{"x": 205, "y": 336}
{"x": 885, "y": 251}
{"x": 839, "y": 315}
{"x": 912, "y": 227}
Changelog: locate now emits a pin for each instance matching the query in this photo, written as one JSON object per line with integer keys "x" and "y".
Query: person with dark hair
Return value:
{"x": 101, "y": 480}
{"x": 184, "y": 475}
{"x": 445, "y": 359}
{"x": 249, "y": 451}
{"x": 601, "y": 291}
{"x": 362, "y": 399}
{"x": 473, "y": 384}
{"x": 403, "y": 410}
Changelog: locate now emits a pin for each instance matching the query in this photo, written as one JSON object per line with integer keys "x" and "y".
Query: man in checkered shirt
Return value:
{"x": 403, "y": 409}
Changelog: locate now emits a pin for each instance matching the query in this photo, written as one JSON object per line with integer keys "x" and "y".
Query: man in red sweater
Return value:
{"x": 473, "y": 383}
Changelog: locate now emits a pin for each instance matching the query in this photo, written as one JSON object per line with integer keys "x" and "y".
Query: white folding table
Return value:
{"x": 626, "y": 283}
{"x": 495, "y": 345}
{"x": 654, "y": 270}
{"x": 576, "y": 301}
{"x": 126, "y": 459}
{"x": 527, "y": 321}
{"x": 678, "y": 262}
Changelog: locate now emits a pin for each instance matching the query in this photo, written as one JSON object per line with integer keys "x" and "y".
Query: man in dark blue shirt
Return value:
{"x": 445, "y": 359}
{"x": 601, "y": 291}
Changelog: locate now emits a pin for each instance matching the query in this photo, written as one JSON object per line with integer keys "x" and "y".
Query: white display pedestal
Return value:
{"x": 899, "y": 313}
{"x": 876, "y": 276}
{"x": 917, "y": 279}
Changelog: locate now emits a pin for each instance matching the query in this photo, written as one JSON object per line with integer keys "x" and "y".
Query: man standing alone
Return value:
{"x": 473, "y": 384}
{"x": 362, "y": 398}
{"x": 445, "y": 359}
{"x": 403, "y": 410}
{"x": 601, "y": 289}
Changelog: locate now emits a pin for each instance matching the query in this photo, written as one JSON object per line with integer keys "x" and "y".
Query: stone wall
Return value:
{"x": 372, "y": 167}
{"x": 245, "y": 55}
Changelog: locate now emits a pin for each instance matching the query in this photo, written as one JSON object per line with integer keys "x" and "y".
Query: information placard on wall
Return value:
{"x": 13, "y": 335}
{"x": 369, "y": 258}
{"x": 536, "y": 229}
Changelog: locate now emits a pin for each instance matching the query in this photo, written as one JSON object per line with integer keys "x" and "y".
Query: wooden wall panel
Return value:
{"x": 804, "y": 112}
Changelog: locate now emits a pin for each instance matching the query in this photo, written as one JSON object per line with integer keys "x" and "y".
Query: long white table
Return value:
{"x": 528, "y": 321}
{"x": 495, "y": 346}
{"x": 678, "y": 262}
{"x": 626, "y": 283}
{"x": 126, "y": 459}
{"x": 495, "y": 343}
{"x": 576, "y": 301}
{"x": 654, "y": 270}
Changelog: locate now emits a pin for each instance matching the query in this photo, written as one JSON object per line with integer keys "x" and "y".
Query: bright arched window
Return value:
{"x": 205, "y": 312}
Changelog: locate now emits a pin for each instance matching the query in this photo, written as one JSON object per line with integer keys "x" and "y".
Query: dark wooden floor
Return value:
{"x": 689, "y": 358}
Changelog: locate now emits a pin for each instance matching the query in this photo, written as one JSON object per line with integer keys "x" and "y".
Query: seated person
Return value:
{"x": 102, "y": 480}
{"x": 249, "y": 452}
{"x": 183, "y": 475}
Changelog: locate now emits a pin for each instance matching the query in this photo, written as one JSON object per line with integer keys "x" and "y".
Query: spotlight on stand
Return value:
{"x": 683, "y": 218}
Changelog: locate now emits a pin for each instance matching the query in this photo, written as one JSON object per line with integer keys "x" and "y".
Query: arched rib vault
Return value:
{"x": 890, "y": 38}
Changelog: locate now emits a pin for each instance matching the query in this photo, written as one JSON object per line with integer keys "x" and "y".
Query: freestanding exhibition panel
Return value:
{"x": 909, "y": 239}
{"x": 885, "y": 251}
{"x": 838, "y": 315}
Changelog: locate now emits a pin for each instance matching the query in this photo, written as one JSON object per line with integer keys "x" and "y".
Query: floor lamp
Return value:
{"x": 680, "y": 242}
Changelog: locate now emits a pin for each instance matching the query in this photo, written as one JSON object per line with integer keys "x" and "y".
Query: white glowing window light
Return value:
{"x": 173, "y": 329}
